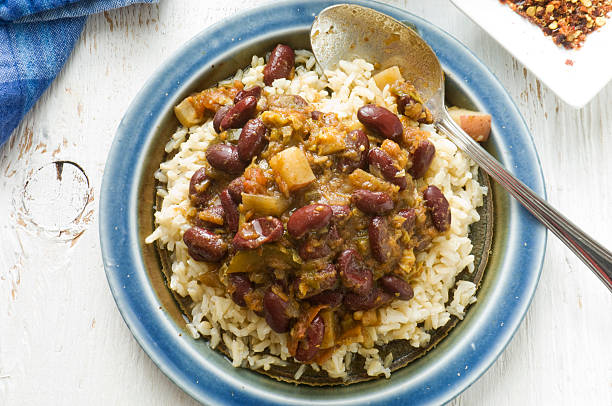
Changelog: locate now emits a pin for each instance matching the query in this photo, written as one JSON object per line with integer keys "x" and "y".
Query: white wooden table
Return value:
{"x": 62, "y": 339}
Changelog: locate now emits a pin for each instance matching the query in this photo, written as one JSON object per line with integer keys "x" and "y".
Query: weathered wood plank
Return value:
{"x": 61, "y": 330}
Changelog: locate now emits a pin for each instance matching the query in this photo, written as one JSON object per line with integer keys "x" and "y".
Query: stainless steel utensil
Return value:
{"x": 347, "y": 31}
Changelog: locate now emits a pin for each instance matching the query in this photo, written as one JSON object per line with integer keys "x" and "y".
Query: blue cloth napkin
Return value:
{"x": 36, "y": 38}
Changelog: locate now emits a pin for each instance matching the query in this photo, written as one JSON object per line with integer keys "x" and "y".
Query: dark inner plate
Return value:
{"x": 158, "y": 263}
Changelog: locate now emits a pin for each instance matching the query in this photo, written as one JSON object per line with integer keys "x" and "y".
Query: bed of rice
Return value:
{"x": 249, "y": 340}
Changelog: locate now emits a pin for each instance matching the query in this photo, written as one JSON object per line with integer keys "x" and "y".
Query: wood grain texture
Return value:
{"x": 62, "y": 339}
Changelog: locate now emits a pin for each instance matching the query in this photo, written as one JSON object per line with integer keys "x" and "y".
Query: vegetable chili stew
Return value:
{"x": 305, "y": 218}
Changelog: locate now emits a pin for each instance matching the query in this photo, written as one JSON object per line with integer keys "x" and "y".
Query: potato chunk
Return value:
{"x": 475, "y": 123}
{"x": 186, "y": 113}
{"x": 387, "y": 77}
{"x": 293, "y": 168}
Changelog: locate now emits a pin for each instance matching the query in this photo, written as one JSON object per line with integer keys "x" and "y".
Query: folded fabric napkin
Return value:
{"x": 36, "y": 38}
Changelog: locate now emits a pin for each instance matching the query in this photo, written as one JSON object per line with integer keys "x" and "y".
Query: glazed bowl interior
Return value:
{"x": 135, "y": 273}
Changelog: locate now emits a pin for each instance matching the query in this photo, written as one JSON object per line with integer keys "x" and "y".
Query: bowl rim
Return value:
{"x": 152, "y": 328}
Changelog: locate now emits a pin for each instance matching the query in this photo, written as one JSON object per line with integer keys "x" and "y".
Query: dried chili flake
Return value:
{"x": 567, "y": 22}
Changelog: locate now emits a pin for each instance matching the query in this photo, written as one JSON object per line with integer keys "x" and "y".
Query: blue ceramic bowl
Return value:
{"x": 154, "y": 318}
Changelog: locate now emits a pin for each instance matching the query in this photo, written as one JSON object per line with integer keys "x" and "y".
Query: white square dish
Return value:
{"x": 576, "y": 76}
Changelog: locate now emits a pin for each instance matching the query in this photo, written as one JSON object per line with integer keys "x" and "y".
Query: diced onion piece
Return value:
{"x": 292, "y": 166}
{"x": 264, "y": 204}
{"x": 329, "y": 336}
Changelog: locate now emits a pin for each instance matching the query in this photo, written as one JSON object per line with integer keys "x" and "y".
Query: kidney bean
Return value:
{"x": 279, "y": 65}
{"x": 235, "y": 189}
{"x": 378, "y": 233}
{"x": 421, "y": 158}
{"x": 381, "y": 120}
{"x": 410, "y": 216}
{"x": 384, "y": 163}
{"x": 352, "y": 273}
{"x": 232, "y": 216}
{"x": 254, "y": 91}
{"x": 203, "y": 245}
{"x": 397, "y": 287}
{"x": 331, "y": 298}
{"x": 372, "y": 202}
{"x": 439, "y": 208}
{"x": 240, "y": 112}
{"x": 219, "y": 116}
{"x": 358, "y": 144}
{"x": 257, "y": 232}
{"x": 252, "y": 139}
{"x": 241, "y": 285}
{"x": 197, "y": 188}
{"x": 274, "y": 308}
{"x": 308, "y": 218}
{"x": 374, "y": 298}
{"x": 309, "y": 347}
{"x": 316, "y": 115}
{"x": 314, "y": 248}
{"x": 224, "y": 157}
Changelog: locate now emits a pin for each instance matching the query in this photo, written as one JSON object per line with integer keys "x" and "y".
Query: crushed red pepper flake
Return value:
{"x": 567, "y": 22}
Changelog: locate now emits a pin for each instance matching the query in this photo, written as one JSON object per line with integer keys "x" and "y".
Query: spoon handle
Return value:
{"x": 588, "y": 250}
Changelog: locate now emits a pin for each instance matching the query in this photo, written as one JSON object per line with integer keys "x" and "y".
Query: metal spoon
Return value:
{"x": 347, "y": 31}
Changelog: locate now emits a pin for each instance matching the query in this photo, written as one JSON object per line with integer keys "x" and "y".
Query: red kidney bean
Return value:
{"x": 203, "y": 245}
{"x": 352, "y": 273}
{"x": 219, "y": 116}
{"x": 258, "y": 232}
{"x": 374, "y": 298}
{"x": 235, "y": 189}
{"x": 232, "y": 216}
{"x": 309, "y": 347}
{"x": 316, "y": 115}
{"x": 329, "y": 297}
{"x": 308, "y": 218}
{"x": 216, "y": 210}
{"x": 382, "y": 121}
{"x": 198, "y": 185}
{"x": 358, "y": 145}
{"x": 254, "y": 91}
{"x": 224, "y": 157}
{"x": 378, "y": 233}
{"x": 314, "y": 248}
{"x": 274, "y": 308}
{"x": 421, "y": 158}
{"x": 279, "y": 65}
{"x": 439, "y": 208}
{"x": 382, "y": 161}
{"x": 241, "y": 285}
{"x": 372, "y": 202}
{"x": 239, "y": 113}
{"x": 252, "y": 139}
{"x": 410, "y": 216}
{"x": 397, "y": 287}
